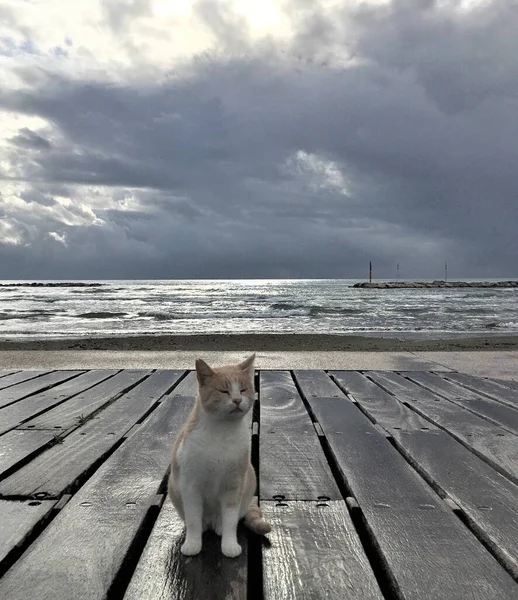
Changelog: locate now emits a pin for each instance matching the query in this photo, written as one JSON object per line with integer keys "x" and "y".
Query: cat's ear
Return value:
{"x": 203, "y": 371}
{"x": 248, "y": 364}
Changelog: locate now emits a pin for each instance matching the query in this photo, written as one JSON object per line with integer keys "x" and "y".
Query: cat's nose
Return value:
{"x": 236, "y": 401}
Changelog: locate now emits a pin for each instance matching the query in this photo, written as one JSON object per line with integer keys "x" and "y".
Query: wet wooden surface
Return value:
{"x": 163, "y": 574}
{"x": 315, "y": 552}
{"x": 378, "y": 485}
{"x": 490, "y": 441}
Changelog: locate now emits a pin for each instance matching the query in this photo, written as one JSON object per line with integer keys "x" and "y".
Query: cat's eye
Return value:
{"x": 244, "y": 390}
{"x": 223, "y": 391}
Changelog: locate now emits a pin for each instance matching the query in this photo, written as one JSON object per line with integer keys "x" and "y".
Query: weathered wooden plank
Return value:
{"x": 164, "y": 574}
{"x": 500, "y": 414}
{"x": 18, "y": 377}
{"x": 498, "y": 390}
{"x": 417, "y": 535}
{"x": 317, "y": 384}
{"x": 294, "y": 467}
{"x": 503, "y": 415}
{"x": 92, "y": 398}
{"x": 34, "y": 385}
{"x": 490, "y": 442}
{"x": 59, "y": 468}
{"x": 487, "y": 498}
{"x": 508, "y": 383}
{"x": 188, "y": 387}
{"x": 5, "y": 372}
{"x": 315, "y": 553}
{"x": 80, "y": 553}
{"x": 18, "y": 412}
{"x": 291, "y": 459}
{"x": 404, "y": 390}
{"x": 442, "y": 387}
{"x": 17, "y": 446}
{"x": 17, "y": 521}
{"x": 382, "y": 407}
{"x": 282, "y": 408}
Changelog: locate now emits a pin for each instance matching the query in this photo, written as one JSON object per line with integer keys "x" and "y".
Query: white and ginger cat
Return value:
{"x": 212, "y": 482}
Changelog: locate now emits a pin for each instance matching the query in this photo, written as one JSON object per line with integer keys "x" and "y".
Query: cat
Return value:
{"x": 212, "y": 481}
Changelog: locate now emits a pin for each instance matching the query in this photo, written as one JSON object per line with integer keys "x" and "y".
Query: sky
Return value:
{"x": 243, "y": 139}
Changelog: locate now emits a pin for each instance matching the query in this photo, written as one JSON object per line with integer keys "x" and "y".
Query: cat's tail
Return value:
{"x": 254, "y": 520}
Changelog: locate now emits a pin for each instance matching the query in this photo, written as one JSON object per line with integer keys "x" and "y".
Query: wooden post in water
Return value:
{"x": 445, "y": 271}
{"x": 370, "y": 271}
{"x": 397, "y": 272}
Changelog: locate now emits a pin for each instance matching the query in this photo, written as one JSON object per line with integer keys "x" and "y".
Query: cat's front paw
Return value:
{"x": 230, "y": 549}
{"x": 191, "y": 547}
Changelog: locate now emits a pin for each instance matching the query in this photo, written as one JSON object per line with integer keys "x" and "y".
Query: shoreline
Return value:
{"x": 372, "y": 342}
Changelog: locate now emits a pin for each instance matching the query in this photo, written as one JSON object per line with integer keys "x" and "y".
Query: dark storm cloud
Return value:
{"x": 229, "y": 158}
{"x": 31, "y": 140}
{"x": 38, "y": 197}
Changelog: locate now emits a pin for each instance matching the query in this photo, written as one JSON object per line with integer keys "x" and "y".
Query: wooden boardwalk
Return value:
{"x": 378, "y": 484}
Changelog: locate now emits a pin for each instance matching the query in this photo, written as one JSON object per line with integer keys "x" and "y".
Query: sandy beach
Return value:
{"x": 420, "y": 342}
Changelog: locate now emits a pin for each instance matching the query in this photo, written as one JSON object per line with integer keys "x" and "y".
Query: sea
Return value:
{"x": 330, "y": 306}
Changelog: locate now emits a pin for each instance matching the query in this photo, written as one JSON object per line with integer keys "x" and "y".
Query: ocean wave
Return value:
{"x": 505, "y": 325}
{"x": 287, "y": 306}
{"x": 157, "y": 316}
{"x": 9, "y": 316}
{"x": 330, "y": 310}
{"x": 314, "y": 310}
{"x": 471, "y": 311}
{"x": 414, "y": 310}
{"x": 101, "y": 315}
{"x": 213, "y": 315}
{"x": 27, "y": 315}
{"x": 173, "y": 299}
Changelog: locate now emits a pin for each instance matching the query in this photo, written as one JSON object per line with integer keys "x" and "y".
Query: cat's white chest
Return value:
{"x": 210, "y": 458}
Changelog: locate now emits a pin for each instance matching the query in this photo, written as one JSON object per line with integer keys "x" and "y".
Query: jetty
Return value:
{"x": 435, "y": 284}
{"x": 51, "y": 284}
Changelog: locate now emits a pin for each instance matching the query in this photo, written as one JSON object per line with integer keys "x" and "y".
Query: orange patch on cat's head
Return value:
{"x": 219, "y": 387}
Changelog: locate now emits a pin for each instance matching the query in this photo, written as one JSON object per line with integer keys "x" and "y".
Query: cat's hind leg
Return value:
{"x": 249, "y": 509}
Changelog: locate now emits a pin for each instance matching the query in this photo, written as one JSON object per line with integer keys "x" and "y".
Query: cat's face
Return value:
{"x": 226, "y": 392}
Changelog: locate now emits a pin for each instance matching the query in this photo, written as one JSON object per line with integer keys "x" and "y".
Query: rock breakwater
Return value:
{"x": 436, "y": 284}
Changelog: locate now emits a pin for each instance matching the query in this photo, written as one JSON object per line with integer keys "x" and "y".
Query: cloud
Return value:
{"x": 353, "y": 132}
{"x": 31, "y": 140}
{"x": 121, "y": 14}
